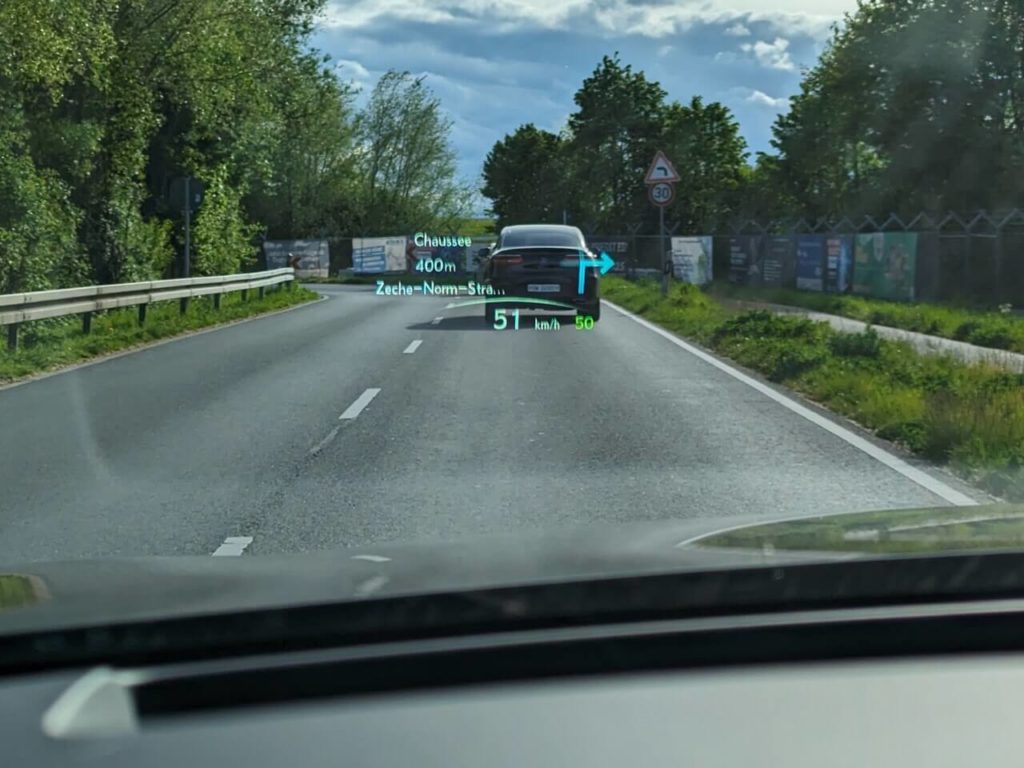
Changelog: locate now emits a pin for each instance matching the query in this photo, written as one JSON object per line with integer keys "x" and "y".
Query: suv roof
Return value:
{"x": 516, "y": 235}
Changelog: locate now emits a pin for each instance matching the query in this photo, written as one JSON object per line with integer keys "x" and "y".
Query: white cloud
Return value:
{"x": 664, "y": 50}
{"x": 654, "y": 18}
{"x": 772, "y": 55}
{"x": 726, "y": 56}
{"x": 351, "y": 70}
{"x": 762, "y": 99}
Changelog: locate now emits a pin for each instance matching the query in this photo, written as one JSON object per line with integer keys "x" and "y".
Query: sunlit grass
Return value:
{"x": 985, "y": 328}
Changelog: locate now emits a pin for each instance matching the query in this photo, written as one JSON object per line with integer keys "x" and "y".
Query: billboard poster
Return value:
{"x": 314, "y": 256}
{"x": 885, "y": 265}
{"x": 379, "y": 254}
{"x": 473, "y": 255}
{"x": 463, "y": 258}
{"x": 743, "y": 260}
{"x": 778, "y": 263}
{"x": 838, "y": 250}
{"x": 691, "y": 259}
{"x": 810, "y": 262}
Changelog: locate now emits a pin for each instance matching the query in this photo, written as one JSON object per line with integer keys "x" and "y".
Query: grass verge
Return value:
{"x": 984, "y": 328}
{"x": 968, "y": 416}
{"x": 49, "y": 344}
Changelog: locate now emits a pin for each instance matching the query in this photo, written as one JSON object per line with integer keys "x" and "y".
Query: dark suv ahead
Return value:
{"x": 532, "y": 262}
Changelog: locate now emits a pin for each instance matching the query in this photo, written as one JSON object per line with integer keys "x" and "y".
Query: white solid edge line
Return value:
{"x": 412, "y": 347}
{"x": 361, "y": 402}
{"x": 233, "y": 546}
{"x": 895, "y": 463}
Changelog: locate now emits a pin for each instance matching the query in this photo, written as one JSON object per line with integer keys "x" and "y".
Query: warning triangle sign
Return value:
{"x": 661, "y": 170}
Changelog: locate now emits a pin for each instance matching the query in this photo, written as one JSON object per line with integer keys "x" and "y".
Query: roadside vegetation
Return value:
{"x": 970, "y": 417}
{"x": 982, "y": 327}
{"x": 50, "y": 344}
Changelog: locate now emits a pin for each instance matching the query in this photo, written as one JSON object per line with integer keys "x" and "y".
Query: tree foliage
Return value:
{"x": 916, "y": 104}
{"x": 406, "y": 163}
{"x": 104, "y": 102}
{"x": 594, "y": 170}
{"x": 525, "y": 176}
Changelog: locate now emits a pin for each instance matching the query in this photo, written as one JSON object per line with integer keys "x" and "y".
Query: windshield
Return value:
{"x": 520, "y": 236}
{"x": 260, "y": 298}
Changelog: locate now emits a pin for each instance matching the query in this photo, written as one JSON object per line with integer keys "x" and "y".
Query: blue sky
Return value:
{"x": 497, "y": 65}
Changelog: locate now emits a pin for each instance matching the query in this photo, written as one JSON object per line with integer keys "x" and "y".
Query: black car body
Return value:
{"x": 536, "y": 266}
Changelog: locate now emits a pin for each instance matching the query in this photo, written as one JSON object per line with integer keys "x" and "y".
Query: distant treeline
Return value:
{"x": 917, "y": 104}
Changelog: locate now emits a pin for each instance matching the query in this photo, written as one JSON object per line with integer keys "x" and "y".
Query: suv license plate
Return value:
{"x": 543, "y": 288}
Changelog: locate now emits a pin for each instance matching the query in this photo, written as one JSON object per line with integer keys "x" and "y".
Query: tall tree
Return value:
{"x": 704, "y": 143}
{"x": 524, "y": 177}
{"x": 406, "y": 162}
{"x": 613, "y": 135}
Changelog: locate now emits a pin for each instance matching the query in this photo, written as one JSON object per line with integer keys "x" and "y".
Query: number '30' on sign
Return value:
{"x": 662, "y": 194}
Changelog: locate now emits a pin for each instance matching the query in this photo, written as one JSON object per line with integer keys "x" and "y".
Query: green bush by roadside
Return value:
{"x": 50, "y": 344}
{"x": 968, "y": 416}
{"x": 983, "y": 328}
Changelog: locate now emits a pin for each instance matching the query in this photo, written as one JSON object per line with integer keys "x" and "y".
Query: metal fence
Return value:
{"x": 959, "y": 257}
{"x": 974, "y": 257}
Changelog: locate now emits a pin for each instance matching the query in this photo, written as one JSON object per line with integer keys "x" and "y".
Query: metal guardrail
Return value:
{"x": 18, "y": 308}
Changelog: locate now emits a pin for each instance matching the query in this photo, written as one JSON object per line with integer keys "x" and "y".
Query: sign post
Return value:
{"x": 188, "y": 193}
{"x": 660, "y": 178}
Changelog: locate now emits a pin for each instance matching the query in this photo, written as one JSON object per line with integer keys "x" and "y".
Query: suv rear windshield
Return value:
{"x": 540, "y": 237}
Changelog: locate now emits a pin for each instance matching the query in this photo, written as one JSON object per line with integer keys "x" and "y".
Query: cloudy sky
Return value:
{"x": 496, "y": 64}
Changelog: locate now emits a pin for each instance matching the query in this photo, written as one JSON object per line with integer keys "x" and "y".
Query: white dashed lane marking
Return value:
{"x": 233, "y": 546}
{"x": 361, "y": 402}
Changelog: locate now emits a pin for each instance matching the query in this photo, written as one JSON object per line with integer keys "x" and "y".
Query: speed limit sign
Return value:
{"x": 661, "y": 194}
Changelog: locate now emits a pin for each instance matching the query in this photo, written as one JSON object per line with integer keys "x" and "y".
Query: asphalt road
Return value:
{"x": 231, "y": 439}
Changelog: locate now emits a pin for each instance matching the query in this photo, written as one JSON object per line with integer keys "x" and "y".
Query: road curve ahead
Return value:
{"x": 366, "y": 418}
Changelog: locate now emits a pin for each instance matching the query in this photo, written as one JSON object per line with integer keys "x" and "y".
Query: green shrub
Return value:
{"x": 867, "y": 344}
{"x": 762, "y": 323}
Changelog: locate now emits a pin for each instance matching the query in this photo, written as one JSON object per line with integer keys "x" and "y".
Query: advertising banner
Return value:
{"x": 885, "y": 265}
{"x": 743, "y": 253}
{"x": 810, "y": 262}
{"x": 314, "y": 256}
{"x": 778, "y": 264}
{"x": 379, "y": 254}
{"x": 691, "y": 259}
{"x": 838, "y": 259}
{"x": 473, "y": 253}
{"x": 463, "y": 258}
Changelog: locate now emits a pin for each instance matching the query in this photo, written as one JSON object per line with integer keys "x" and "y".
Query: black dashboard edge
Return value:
{"x": 677, "y": 595}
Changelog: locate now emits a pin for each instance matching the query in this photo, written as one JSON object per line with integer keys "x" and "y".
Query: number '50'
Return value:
{"x": 584, "y": 322}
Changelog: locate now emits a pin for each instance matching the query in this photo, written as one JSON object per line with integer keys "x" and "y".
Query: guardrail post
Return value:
{"x": 12, "y": 337}
{"x": 183, "y": 305}
{"x": 216, "y": 301}
{"x": 142, "y": 314}
{"x": 245, "y": 294}
{"x": 86, "y": 323}
{"x": 263, "y": 291}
